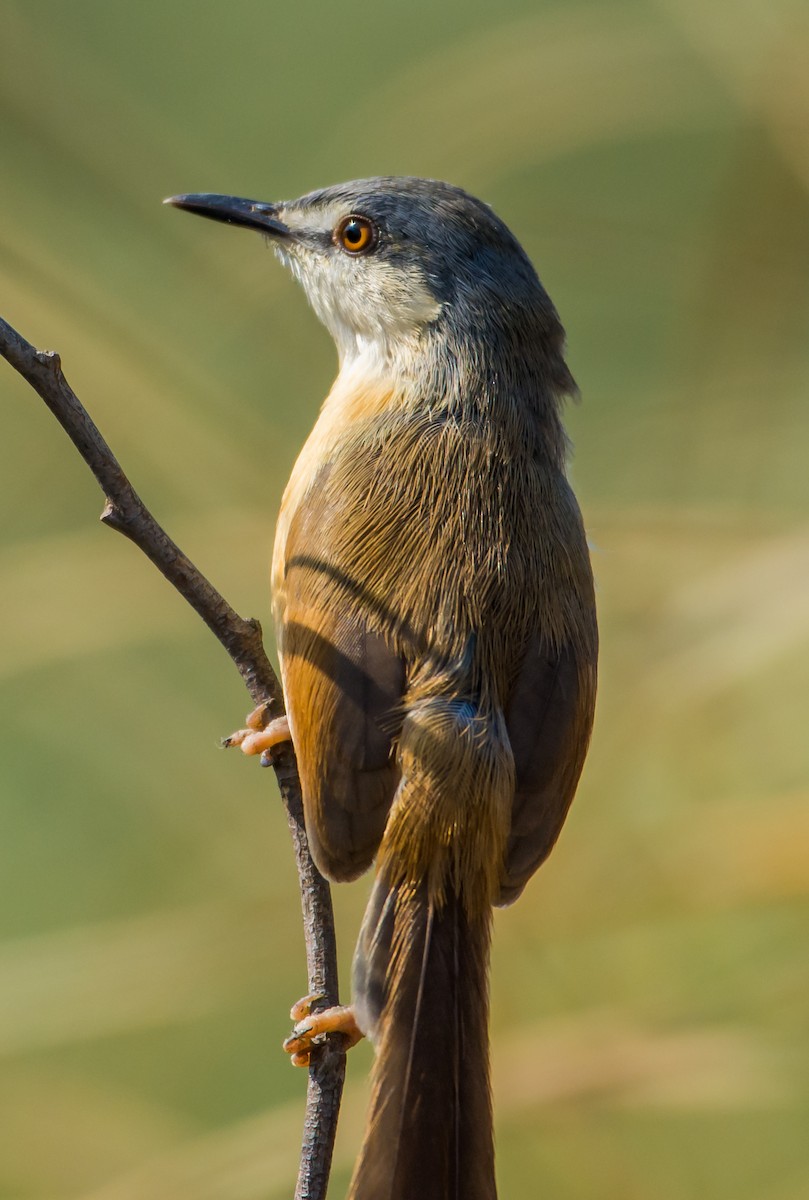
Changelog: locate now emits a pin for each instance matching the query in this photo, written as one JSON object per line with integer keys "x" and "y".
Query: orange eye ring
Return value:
{"x": 356, "y": 234}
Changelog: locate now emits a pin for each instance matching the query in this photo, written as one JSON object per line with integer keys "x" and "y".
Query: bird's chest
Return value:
{"x": 309, "y": 504}
{"x": 413, "y": 516}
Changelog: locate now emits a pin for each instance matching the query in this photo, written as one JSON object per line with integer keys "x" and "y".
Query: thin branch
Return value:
{"x": 125, "y": 512}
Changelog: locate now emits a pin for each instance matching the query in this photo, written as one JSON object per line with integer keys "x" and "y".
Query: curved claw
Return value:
{"x": 302, "y": 1008}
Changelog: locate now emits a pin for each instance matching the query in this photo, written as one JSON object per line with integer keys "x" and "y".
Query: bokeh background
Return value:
{"x": 650, "y": 990}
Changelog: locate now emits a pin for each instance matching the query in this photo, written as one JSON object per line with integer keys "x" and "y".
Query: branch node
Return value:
{"x": 112, "y": 516}
{"x": 256, "y": 632}
{"x": 51, "y": 360}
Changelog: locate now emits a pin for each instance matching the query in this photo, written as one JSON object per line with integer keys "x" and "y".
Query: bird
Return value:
{"x": 435, "y": 614}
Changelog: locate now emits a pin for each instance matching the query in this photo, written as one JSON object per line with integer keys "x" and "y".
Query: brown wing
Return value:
{"x": 549, "y": 718}
{"x": 344, "y": 688}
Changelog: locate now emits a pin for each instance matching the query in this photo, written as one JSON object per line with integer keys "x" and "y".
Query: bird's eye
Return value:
{"x": 357, "y": 235}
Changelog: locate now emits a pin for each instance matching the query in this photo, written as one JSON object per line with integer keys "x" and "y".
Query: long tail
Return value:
{"x": 421, "y": 989}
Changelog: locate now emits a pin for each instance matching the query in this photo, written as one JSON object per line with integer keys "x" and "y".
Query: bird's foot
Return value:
{"x": 310, "y": 1028}
{"x": 259, "y": 738}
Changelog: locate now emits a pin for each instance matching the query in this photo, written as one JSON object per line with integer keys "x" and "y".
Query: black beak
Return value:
{"x": 233, "y": 210}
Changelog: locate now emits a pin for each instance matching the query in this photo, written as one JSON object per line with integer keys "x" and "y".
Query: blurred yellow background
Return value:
{"x": 650, "y": 1012}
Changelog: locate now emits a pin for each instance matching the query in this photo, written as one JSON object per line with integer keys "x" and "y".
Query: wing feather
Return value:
{"x": 549, "y": 718}
{"x": 344, "y": 687}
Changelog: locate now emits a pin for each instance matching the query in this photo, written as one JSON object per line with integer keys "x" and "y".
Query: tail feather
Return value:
{"x": 421, "y": 991}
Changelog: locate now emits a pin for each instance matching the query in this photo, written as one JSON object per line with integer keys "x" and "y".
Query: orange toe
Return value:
{"x": 257, "y": 741}
{"x": 311, "y": 1028}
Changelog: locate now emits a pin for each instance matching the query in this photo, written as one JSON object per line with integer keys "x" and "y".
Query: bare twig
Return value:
{"x": 126, "y": 512}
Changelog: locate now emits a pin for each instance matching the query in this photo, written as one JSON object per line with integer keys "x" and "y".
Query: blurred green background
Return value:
{"x": 650, "y": 990}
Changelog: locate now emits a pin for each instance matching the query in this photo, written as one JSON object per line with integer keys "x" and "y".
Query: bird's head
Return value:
{"x": 382, "y": 260}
